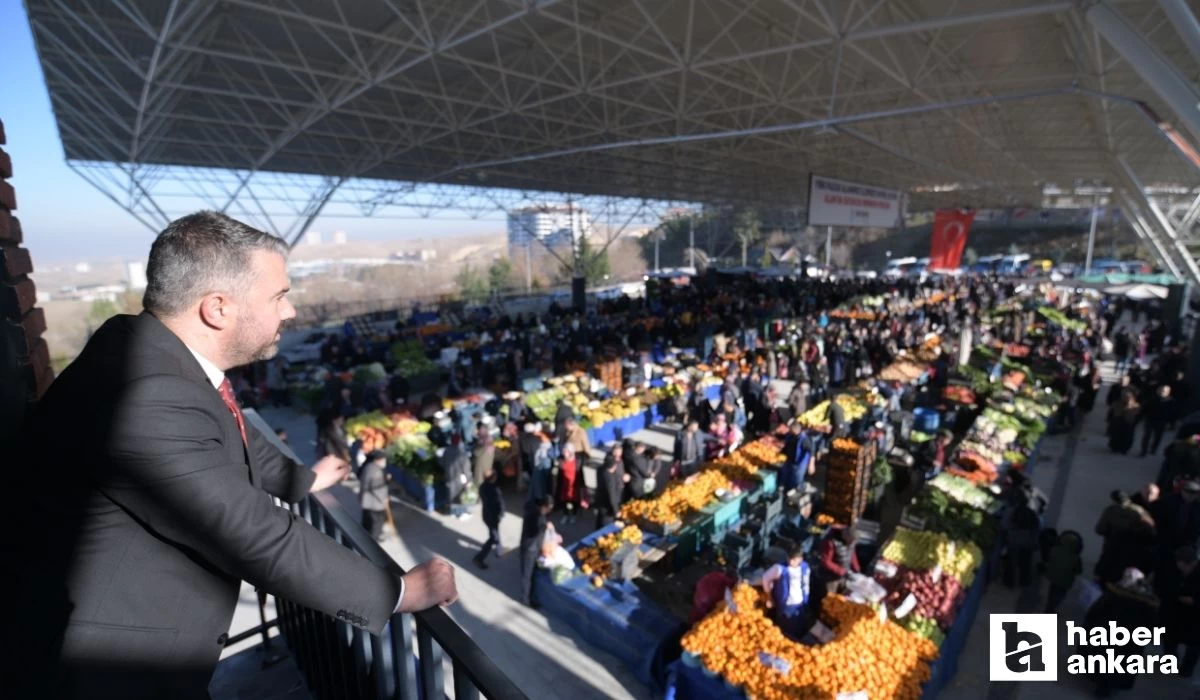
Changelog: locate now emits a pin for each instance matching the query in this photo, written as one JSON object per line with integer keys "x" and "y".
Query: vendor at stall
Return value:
{"x": 787, "y": 587}
{"x": 838, "y": 557}
{"x": 798, "y": 450}
{"x": 935, "y": 454}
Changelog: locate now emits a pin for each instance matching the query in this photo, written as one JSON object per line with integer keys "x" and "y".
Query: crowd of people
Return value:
{"x": 759, "y": 331}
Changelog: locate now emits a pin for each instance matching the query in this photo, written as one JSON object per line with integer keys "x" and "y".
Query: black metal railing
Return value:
{"x": 339, "y": 660}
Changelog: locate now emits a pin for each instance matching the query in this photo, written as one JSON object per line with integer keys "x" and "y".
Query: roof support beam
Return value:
{"x": 1153, "y": 220}
{"x": 1185, "y": 24}
{"x": 1154, "y": 68}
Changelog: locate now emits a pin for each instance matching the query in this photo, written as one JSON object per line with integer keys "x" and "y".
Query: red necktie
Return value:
{"x": 226, "y": 390}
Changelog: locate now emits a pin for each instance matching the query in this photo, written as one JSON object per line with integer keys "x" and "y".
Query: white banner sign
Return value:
{"x": 840, "y": 203}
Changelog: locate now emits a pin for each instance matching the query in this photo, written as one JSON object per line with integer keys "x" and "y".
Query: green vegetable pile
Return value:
{"x": 956, "y": 520}
{"x": 924, "y": 627}
{"x": 410, "y": 359}
{"x": 1058, "y": 318}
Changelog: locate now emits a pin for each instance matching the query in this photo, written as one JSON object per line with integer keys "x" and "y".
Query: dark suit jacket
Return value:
{"x": 141, "y": 527}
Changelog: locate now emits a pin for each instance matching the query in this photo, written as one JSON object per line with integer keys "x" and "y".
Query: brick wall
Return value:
{"x": 25, "y": 370}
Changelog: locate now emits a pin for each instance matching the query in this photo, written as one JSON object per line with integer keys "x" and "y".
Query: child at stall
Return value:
{"x": 787, "y": 587}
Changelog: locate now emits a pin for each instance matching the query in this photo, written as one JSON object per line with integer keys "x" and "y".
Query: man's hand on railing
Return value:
{"x": 428, "y": 584}
{"x": 330, "y": 470}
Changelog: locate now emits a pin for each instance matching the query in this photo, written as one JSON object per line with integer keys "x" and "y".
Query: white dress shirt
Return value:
{"x": 215, "y": 377}
{"x": 214, "y": 373}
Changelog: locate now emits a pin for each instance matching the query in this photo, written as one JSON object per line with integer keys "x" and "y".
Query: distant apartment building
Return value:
{"x": 135, "y": 275}
{"x": 552, "y": 225}
{"x": 312, "y": 238}
{"x": 415, "y": 256}
{"x": 339, "y": 237}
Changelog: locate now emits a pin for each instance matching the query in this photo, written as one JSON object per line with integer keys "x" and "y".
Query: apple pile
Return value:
{"x": 938, "y": 598}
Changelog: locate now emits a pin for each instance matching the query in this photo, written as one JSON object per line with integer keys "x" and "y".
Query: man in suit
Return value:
{"x": 162, "y": 504}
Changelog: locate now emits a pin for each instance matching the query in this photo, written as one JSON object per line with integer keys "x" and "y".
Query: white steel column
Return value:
{"x": 1087, "y": 266}
{"x": 1138, "y": 193}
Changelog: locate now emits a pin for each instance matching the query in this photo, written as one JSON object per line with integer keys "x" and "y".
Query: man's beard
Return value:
{"x": 246, "y": 349}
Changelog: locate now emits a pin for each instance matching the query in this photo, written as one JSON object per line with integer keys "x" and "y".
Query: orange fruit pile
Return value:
{"x": 697, "y": 491}
{"x": 880, "y": 657}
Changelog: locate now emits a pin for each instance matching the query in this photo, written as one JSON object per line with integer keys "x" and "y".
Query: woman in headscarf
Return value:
{"x": 1129, "y": 603}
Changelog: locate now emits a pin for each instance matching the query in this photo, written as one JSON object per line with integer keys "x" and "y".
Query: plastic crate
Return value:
{"x": 739, "y": 551}
{"x": 774, "y": 508}
{"x": 724, "y": 514}
{"x": 770, "y": 480}
{"x": 659, "y": 528}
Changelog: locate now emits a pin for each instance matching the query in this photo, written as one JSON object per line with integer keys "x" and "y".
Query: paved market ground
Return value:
{"x": 548, "y": 659}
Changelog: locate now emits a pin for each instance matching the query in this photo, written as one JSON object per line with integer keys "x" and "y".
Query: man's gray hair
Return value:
{"x": 198, "y": 254}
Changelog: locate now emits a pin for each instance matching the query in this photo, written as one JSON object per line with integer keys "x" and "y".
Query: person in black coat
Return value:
{"x": 689, "y": 447}
{"x": 561, "y": 415}
{"x": 637, "y": 467}
{"x": 528, "y": 445}
{"x": 1177, "y": 584}
{"x": 1160, "y": 410}
{"x": 610, "y": 483}
{"x": 533, "y": 528}
{"x": 491, "y": 500}
{"x": 1128, "y": 603}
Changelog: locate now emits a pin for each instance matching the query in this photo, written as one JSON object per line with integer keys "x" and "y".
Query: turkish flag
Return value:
{"x": 950, "y": 227}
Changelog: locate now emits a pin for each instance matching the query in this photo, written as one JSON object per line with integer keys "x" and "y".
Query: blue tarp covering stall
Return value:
{"x": 616, "y": 617}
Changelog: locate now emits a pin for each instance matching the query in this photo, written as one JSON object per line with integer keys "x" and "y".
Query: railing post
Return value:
{"x": 464, "y": 688}
{"x": 403, "y": 652}
{"x": 432, "y": 681}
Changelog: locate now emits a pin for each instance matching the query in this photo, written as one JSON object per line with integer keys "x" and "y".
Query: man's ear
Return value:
{"x": 217, "y": 310}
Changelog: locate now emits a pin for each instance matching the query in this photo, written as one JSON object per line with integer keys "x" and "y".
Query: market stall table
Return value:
{"x": 616, "y": 617}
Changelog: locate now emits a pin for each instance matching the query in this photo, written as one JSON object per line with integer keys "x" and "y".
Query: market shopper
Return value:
{"x": 1128, "y": 533}
{"x": 610, "y": 485}
{"x": 541, "y": 481}
{"x": 641, "y": 472}
{"x": 533, "y": 529}
{"x": 689, "y": 447}
{"x": 1177, "y": 585}
{"x": 1160, "y": 411}
{"x": 331, "y": 436}
{"x": 570, "y": 483}
{"x": 491, "y": 501}
{"x": 129, "y": 581}
{"x": 577, "y": 438}
{"x": 787, "y": 586}
{"x": 1063, "y": 566}
{"x": 484, "y": 450}
{"x": 373, "y": 494}
{"x": 1130, "y": 603}
{"x": 1021, "y": 525}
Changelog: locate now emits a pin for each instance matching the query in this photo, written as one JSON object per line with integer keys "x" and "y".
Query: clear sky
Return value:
{"x": 66, "y": 219}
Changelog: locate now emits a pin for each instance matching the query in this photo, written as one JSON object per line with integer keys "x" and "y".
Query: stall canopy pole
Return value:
{"x": 1087, "y": 266}
{"x": 828, "y": 243}
{"x": 691, "y": 241}
{"x": 657, "y": 239}
{"x": 528, "y": 268}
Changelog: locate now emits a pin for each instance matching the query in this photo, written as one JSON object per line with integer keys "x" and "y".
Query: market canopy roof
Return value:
{"x": 1138, "y": 291}
{"x": 721, "y": 101}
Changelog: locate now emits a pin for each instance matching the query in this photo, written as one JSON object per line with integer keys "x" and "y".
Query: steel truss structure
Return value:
{"x": 286, "y": 108}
